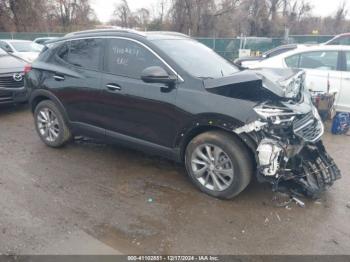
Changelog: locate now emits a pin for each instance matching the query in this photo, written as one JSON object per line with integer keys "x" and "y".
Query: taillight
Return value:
{"x": 27, "y": 68}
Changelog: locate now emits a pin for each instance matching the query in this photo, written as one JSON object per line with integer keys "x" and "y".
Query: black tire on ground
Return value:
{"x": 237, "y": 152}
{"x": 64, "y": 134}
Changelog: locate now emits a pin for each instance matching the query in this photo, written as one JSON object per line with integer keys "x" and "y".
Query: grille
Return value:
{"x": 308, "y": 128}
{"x": 7, "y": 81}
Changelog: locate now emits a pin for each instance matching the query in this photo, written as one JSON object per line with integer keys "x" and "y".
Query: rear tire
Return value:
{"x": 50, "y": 124}
{"x": 219, "y": 164}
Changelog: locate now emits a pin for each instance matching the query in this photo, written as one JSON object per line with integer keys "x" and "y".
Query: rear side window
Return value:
{"x": 347, "y": 55}
{"x": 292, "y": 61}
{"x": 320, "y": 60}
{"x": 127, "y": 58}
{"x": 84, "y": 53}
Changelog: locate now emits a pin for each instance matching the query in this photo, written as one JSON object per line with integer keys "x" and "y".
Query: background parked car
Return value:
{"x": 11, "y": 79}
{"x": 27, "y": 50}
{"x": 342, "y": 39}
{"x": 327, "y": 69}
{"x": 249, "y": 60}
{"x": 43, "y": 40}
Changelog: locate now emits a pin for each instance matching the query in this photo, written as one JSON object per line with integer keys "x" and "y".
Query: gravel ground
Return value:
{"x": 97, "y": 199}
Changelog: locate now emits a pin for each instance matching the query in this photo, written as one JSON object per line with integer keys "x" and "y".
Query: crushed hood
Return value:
{"x": 255, "y": 85}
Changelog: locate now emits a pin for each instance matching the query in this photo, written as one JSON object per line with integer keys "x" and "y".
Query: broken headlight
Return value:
{"x": 277, "y": 115}
{"x": 292, "y": 86}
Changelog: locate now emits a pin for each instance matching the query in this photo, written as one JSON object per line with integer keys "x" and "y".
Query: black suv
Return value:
{"x": 167, "y": 94}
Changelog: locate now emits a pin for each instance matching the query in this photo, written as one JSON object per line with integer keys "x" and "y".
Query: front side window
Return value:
{"x": 128, "y": 58}
{"x": 195, "y": 58}
{"x": 84, "y": 53}
{"x": 320, "y": 60}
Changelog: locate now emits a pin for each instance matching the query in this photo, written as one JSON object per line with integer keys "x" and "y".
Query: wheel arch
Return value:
{"x": 218, "y": 123}
{"x": 38, "y": 96}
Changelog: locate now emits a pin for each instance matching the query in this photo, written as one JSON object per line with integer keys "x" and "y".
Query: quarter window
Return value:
{"x": 129, "y": 59}
{"x": 83, "y": 53}
{"x": 321, "y": 60}
{"x": 293, "y": 61}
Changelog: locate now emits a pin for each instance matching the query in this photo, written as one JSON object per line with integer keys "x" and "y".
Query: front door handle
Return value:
{"x": 113, "y": 87}
{"x": 58, "y": 78}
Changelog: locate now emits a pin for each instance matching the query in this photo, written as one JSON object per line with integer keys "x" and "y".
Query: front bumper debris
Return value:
{"x": 290, "y": 154}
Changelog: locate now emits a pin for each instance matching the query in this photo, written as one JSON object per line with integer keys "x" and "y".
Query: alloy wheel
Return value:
{"x": 212, "y": 167}
{"x": 48, "y": 124}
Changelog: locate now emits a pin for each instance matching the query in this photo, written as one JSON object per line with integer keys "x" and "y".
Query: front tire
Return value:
{"x": 50, "y": 124}
{"x": 219, "y": 164}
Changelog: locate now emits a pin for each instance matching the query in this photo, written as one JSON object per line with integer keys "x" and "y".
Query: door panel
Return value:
{"x": 76, "y": 80}
{"x": 139, "y": 110}
{"x": 135, "y": 108}
{"x": 321, "y": 80}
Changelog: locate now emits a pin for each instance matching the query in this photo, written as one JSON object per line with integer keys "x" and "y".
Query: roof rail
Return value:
{"x": 112, "y": 29}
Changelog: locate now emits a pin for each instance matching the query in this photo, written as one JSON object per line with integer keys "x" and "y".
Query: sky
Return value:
{"x": 104, "y": 8}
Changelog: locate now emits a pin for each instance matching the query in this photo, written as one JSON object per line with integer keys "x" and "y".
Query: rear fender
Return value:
{"x": 39, "y": 95}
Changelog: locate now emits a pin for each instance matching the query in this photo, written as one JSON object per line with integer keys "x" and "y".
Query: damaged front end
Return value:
{"x": 290, "y": 154}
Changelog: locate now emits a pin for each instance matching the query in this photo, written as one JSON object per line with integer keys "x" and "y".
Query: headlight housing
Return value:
{"x": 292, "y": 86}
{"x": 277, "y": 115}
{"x": 266, "y": 112}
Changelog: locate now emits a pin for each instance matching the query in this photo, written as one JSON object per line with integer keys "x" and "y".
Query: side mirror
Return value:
{"x": 156, "y": 74}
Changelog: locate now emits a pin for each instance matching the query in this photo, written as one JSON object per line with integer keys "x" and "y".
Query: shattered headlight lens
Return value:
{"x": 293, "y": 85}
{"x": 267, "y": 112}
{"x": 275, "y": 115}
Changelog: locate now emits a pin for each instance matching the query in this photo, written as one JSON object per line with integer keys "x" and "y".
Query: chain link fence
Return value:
{"x": 227, "y": 47}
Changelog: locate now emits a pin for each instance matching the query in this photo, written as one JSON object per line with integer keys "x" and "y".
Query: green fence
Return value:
{"x": 227, "y": 47}
{"x": 26, "y": 36}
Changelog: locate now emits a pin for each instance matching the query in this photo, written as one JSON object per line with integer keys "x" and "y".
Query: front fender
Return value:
{"x": 206, "y": 122}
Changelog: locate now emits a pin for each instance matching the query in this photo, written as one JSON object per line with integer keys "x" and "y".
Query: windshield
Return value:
{"x": 26, "y": 46}
{"x": 197, "y": 59}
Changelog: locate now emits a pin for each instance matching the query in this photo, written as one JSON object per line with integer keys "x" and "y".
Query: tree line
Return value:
{"x": 213, "y": 18}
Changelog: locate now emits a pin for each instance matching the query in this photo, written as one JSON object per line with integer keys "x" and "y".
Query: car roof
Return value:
{"x": 15, "y": 40}
{"x": 150, "y": 35}
{"x": 306, "y": 48}
{"x": 48, "y": 37}
{"x": 344, "y": 34}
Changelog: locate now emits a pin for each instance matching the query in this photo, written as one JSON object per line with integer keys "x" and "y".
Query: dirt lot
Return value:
{"x": 97, "y": 199}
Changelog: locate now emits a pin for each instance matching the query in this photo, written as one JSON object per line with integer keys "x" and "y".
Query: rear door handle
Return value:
{"x": 113, "y": 87}
{"x": 58, "y": 78}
